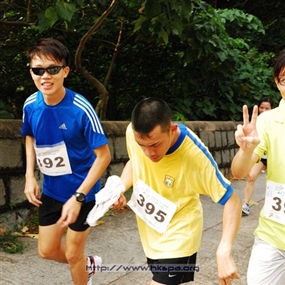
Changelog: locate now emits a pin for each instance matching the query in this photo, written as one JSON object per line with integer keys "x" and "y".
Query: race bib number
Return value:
{"x": 274, "y": 206}
{"x": 53, "y": 160}
{"x": 151, "y": 207}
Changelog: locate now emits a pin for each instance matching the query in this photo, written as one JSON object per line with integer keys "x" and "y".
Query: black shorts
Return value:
{"x": 173, "y": 271}
{"x": 50, "y": 212}
{"x": 264, "y": 161}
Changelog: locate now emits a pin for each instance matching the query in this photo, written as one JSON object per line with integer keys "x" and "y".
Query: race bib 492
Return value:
{"x": 53, "y": 160}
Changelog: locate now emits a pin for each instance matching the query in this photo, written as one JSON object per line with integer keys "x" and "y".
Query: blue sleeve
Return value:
{"x": 227, "y": 195}
{"x": 26, "y": 129}
{"x": 93, "y": 130}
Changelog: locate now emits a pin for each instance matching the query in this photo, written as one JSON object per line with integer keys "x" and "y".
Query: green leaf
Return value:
{"x": 65, "y": 10}
{"x": 51, "y": 15}
{"x": 152, "y": 8}
{"x": 163, "y": 34}
{"x": 80, "y": 2}
{"x": 139, "y": 22}
{"x": 47, "y": 19}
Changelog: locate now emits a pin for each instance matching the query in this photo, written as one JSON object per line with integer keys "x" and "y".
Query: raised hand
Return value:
{"x": 246, "y": 134}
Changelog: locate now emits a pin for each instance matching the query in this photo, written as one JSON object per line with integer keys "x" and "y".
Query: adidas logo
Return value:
{"x": 63, "y": 126}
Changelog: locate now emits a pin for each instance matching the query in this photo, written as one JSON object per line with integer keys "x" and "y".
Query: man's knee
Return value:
{"x": 73, "y": 257}
{"x": 251, "y": 178}
{"x": 47, "y": 254}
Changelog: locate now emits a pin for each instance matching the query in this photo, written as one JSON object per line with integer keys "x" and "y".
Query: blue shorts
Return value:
{"x": 173, "y": 271}
{"x": 50, "y": 212}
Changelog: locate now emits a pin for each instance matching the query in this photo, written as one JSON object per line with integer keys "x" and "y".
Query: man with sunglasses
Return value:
{"x": 65, "y": 138}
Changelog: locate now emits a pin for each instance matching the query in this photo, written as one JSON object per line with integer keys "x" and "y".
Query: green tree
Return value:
{"x": 216, "y": 60}
{"x": 204, "y": 61}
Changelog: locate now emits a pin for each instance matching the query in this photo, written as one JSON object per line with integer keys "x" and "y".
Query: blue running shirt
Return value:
{"x": 72, "y": 122}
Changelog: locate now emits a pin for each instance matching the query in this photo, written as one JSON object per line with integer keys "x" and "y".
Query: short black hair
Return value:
{"x": 51, "y": 48}
{"x": 149, "y": 113}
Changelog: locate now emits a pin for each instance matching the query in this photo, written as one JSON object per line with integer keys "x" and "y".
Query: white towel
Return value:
{"x": 105, "y": 198}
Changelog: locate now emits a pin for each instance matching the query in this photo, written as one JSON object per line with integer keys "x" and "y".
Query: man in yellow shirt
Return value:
{"x": 267, "y": 261}
{"x": 169, "y": 168}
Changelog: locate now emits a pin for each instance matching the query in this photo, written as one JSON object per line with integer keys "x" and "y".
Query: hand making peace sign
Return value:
{"x": 246, "y": 134}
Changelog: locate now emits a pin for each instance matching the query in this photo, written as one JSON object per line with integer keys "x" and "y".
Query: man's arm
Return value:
{"x": 31, "y": 186}
{"x": 103, "y": 159}
{"x": 231, "y": 221}
{"x": 72, "y": 208}
{"x": 127, "y": 179}
{"x": 242, "y": 163}
{"x": 127, "y": 175}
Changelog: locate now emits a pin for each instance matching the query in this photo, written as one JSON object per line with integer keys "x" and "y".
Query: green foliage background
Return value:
{"x": 205, "y": 60}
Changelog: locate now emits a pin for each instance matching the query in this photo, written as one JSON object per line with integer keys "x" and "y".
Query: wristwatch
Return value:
{"x": 80, "y": 197}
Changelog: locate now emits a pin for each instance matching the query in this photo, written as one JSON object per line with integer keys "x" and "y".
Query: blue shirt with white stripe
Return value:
{"x": 74, "y": 122}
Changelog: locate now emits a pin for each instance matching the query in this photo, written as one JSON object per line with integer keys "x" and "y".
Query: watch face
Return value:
{"x": 80, "y": 197}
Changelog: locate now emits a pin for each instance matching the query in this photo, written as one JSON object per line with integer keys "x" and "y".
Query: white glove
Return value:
{"x": 105, "y": 198}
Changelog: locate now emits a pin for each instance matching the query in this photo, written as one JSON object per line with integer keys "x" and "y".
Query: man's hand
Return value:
{"x": 32, "y": 190}
{"x": 247, "y": 139}
{"x": 226, "y": 268}
{"x": 231, "y": 220}
{"x": 246, "y": 134}
{"x": 122, "y": 201}
{"x": 70, "y": 212}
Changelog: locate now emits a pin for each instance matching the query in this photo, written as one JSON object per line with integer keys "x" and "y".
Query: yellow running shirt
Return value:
{"x": 185, "y": 172}
{"x": 271, "y": 131}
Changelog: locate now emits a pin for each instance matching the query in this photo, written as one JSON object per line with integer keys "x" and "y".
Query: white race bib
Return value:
{"x": 151, "y": 207}
{"x": 274, "y": 206}
{"x": 53, "y": 160}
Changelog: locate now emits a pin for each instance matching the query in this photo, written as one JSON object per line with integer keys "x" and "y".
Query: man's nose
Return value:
{"x": 149, "y": 151}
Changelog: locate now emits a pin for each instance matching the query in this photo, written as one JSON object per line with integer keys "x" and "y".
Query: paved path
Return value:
{"x": 117, "y": 241}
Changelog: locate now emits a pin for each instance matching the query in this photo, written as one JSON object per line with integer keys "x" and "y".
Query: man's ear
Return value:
{"x": 66, "y": 71}
{"x": 173, "y": 127}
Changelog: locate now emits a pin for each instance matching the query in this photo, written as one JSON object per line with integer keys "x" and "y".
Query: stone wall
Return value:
{"x": 218, "y": 136}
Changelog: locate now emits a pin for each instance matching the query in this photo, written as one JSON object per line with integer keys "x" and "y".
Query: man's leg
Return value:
{"x": 249, "y": 186}
{"x": 50, "y": 245}
{"x": 74, "y": 252}
{"x": 250, "y": 180}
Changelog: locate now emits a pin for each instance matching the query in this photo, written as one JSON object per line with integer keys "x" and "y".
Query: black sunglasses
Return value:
{"x": 50, "y": 70}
